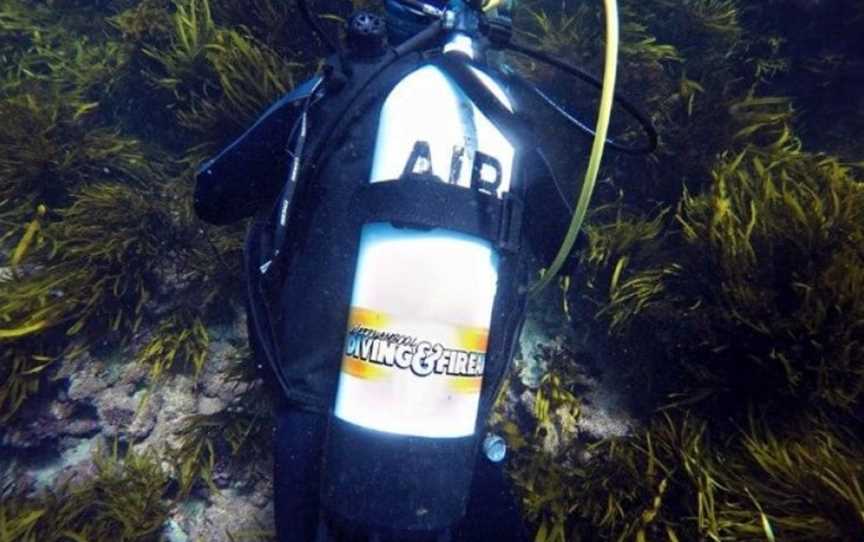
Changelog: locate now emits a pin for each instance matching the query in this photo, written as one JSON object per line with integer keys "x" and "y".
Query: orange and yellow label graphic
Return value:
{"x": 372, "y": 350}
{"x": 422, "y": 373}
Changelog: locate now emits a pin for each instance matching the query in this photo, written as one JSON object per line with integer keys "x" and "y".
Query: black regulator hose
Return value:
{"x": 626, "y": 104}
{"x": 418, "y": 42}
{"x": 332, "y": 46}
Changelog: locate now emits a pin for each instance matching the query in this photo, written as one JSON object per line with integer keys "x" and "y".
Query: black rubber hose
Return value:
{"x": 332, "y": 46}
{"x": 628, "y": 106}
{"x": 417, "y": 42}
{"x": 420, "y": 40}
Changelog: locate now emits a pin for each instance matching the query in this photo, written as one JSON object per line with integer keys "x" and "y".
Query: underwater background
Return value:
{"x": 698, "y": 376}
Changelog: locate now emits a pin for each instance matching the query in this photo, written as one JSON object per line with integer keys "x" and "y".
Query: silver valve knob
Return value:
{"x": 494, "y": 447}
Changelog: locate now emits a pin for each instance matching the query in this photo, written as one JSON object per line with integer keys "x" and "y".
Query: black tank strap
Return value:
{"x": 425, "y": 201}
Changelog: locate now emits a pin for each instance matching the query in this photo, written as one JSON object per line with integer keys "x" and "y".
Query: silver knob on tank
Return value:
{"x": 494, "y": 447}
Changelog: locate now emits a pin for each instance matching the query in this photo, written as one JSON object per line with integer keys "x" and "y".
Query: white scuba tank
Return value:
{"x": 422, "y": 300}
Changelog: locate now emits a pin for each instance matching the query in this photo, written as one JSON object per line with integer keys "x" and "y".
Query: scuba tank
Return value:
{"x": 401, "y": 446}
{"x": 432, "y": 237}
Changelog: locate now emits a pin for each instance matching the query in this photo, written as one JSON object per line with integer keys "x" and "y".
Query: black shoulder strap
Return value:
{"x": 261, "y": 334}
{"x": 369, "y": 85}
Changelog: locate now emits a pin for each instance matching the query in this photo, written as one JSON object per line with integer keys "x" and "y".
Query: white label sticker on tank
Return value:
{"x": 415, "y": 347}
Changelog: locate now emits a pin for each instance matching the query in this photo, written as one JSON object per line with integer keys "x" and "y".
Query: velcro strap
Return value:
{"x": 425, "y": 201}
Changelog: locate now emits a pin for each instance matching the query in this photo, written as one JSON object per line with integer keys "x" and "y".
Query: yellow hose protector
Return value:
{"x": 603, "y": 114}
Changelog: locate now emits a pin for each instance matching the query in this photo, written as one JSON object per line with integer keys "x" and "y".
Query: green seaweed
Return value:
{"x": 651, "y": 486}
{"x": 541, "y": 465}
{"x": 805, "y": 485}
{"x": 22, "y": 365}
{"x": 672, "y": 482}
{"x": 640, "y": 47}
{"x": 144, "y": 23}
{"x": 562, "y": 33}
{"x": 577, "y": 35}
{"x": 711, "y": 17}
{"x": 270, "y": 22}
{"x": 250, "y": 76}
{"x": 20, "y": 25}
{"x": 762, "y": 276}
{"x": 209, "y": 258}
{"x": 48, "y": 148}
{"x": 220, "y": 79}
{"x": 124, "y": 501}
{"x": 79, "y": 67}
{"x": 99, "y": 257}
{"x": 753, "y": 299}
{"x": 236, "y": 438}
{"x": 184, "y": 69}
{"x": 181, "y": 338}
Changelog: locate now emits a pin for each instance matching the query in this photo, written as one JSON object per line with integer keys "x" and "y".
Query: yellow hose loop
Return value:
{"x": 604, "y": 112}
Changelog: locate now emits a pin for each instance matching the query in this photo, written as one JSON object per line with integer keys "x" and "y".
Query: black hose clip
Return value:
{"x": 337, "y": 72}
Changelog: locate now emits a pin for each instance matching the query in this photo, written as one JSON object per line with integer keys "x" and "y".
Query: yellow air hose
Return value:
{"x": 603, "y": 114}
{"x": 489, "y": 5}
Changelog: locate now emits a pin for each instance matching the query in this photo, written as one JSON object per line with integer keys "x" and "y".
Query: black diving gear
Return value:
{"x": 317, "y": 270}
{"x": 303, "y": 169}
{"x": 226, "y": 191}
